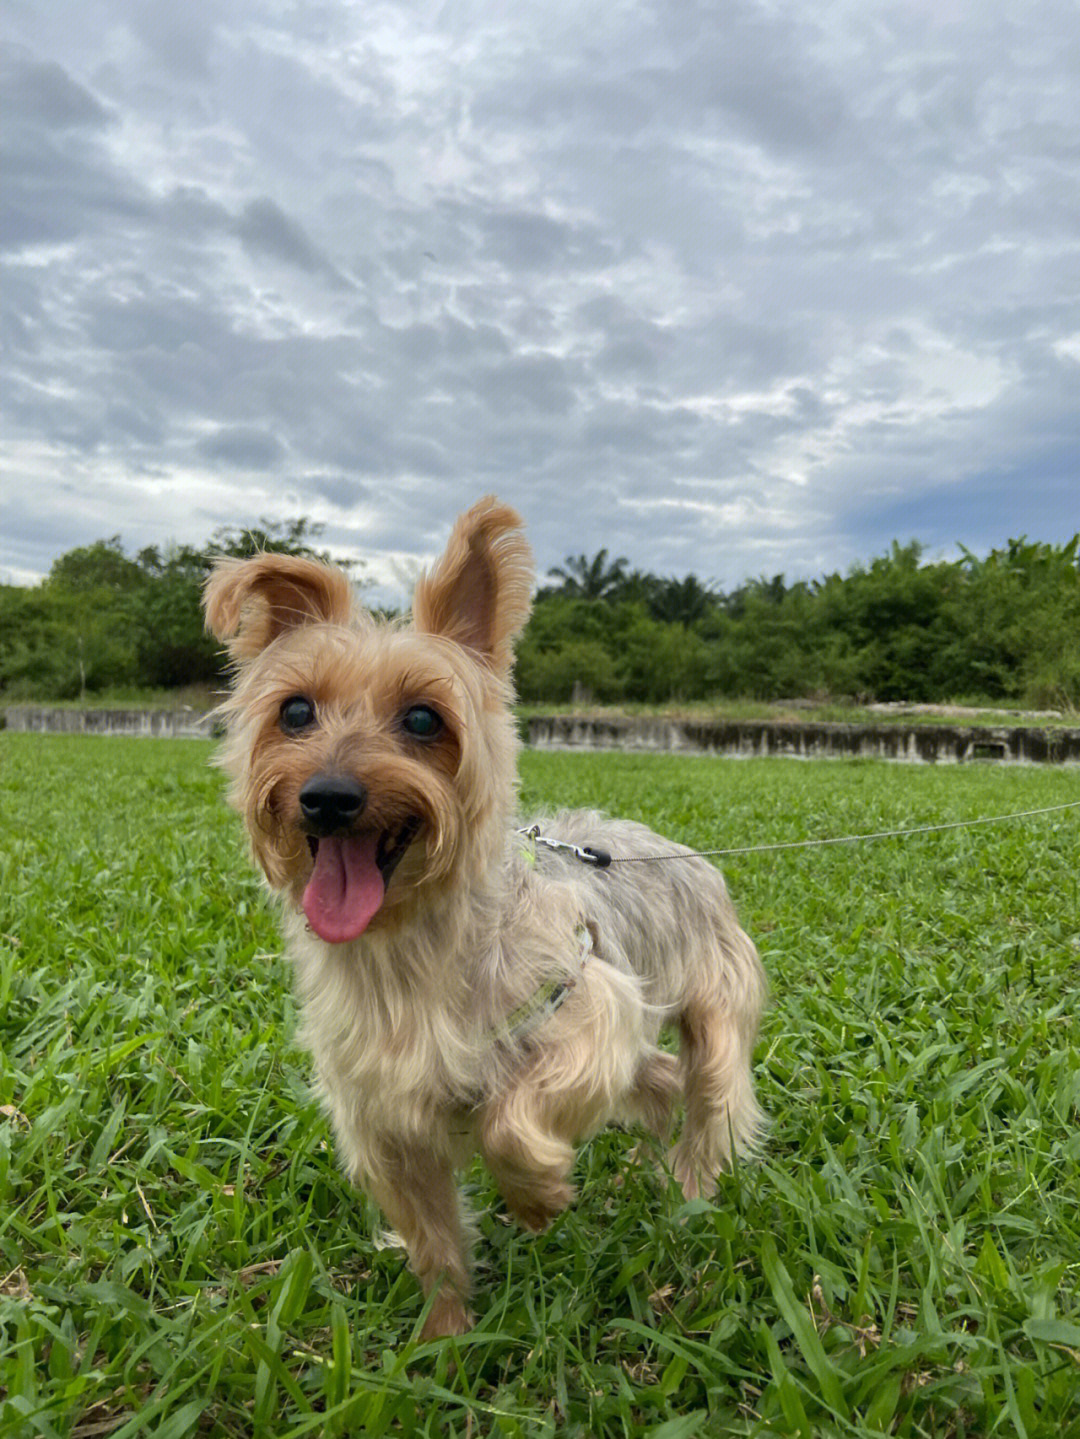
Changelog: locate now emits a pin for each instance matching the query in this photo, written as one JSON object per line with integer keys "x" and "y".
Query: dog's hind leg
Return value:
{"x": 657, "y": 1088}
{"x": 722, "y": 1115}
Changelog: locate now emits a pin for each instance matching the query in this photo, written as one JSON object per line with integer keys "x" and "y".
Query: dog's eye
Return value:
{"x": 297, "y": 713}
{"x": 422, "y": 722}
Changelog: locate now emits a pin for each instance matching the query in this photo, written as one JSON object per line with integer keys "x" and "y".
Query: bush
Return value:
{"x": 553, "y": 675}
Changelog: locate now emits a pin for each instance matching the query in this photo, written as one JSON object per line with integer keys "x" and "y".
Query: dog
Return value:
{"x": 467, "y": 985}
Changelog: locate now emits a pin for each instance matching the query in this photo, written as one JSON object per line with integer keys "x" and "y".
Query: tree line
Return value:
{"x": 1001, "y": 627}
{"x": 104, "y": 620}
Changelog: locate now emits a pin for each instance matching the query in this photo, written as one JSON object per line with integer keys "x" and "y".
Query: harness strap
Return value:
{"x": 542, "y": 1003}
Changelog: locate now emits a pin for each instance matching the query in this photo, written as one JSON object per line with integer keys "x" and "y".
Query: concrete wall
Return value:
{"x": 157, "y": 724}
{"x": 920, "y": 744}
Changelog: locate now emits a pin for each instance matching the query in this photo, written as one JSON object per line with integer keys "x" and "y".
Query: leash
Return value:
{"x": 600, "y": 859}
{"x": 549, "y": 997}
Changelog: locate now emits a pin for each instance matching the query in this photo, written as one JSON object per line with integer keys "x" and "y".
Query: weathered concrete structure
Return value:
{"x": 802, "y": 739}
{"x": 156, "y": 724}
{"x": 811, "y": 739}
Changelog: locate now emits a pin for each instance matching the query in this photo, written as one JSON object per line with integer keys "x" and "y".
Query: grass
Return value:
{"x": 179, "y": 1255}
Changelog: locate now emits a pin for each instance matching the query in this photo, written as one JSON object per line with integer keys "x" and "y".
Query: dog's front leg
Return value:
{"x": 525, "y": 1144}
{"x": 415, "y": 1189}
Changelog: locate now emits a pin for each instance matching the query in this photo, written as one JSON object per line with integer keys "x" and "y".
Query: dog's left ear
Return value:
{"x": 480, "y": 592}
{"x": 248, "y": 603}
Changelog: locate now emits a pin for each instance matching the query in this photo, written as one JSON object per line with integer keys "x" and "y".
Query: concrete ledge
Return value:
{"x": 150, "y": 724}
{"x": 917, "y": 744}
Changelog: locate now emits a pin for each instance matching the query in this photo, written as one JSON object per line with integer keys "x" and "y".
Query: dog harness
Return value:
{"x": 553, "y": 993}
{"x": 542, "y": 1003}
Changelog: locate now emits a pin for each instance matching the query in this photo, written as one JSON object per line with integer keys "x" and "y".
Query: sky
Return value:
{"x": 731, "y": 289}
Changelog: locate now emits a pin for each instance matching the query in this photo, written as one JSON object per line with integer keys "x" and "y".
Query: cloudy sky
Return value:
{"x": 731, "y": 288}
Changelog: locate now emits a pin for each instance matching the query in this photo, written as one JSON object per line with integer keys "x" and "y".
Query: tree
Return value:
{"x": 173, "y": 645}
{"x": 684, "y": 602}
{"x": 1004, "y": 626}
{"x": 100, "y": 566}
{"x": 102, "y": 619}
{"x": 282, "y": 537}
{"x": 593, "y": 579}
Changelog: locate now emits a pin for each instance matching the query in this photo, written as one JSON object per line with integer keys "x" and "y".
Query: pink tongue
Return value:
{"x": 345, "y": 888}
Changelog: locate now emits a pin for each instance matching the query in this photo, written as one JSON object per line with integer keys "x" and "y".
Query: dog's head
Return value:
{"x": 374, "y": 762}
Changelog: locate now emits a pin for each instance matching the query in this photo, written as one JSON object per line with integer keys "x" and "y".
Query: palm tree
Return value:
{"x": 593, "y": 579}
{"x": 681, "y": 601}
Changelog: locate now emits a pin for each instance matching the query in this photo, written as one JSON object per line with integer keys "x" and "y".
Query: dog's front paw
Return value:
{"x": 447, "y": 1316}
{"x": 535, "y": 1210}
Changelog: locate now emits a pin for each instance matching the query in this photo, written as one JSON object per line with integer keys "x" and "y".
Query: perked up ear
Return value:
{"x": 480, "y": 592}
{"x": 248, "y": 603}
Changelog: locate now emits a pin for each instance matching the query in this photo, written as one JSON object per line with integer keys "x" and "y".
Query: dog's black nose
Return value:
{"x": 330, "y": 802}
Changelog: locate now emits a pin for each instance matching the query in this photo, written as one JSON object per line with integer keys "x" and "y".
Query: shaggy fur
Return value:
{"x": 419, "y": 919}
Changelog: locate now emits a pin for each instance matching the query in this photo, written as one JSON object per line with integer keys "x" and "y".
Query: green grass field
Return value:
{"x": 179, "y": 1255}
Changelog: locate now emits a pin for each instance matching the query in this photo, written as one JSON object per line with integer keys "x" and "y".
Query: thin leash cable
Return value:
{"x": 842, "y": 839}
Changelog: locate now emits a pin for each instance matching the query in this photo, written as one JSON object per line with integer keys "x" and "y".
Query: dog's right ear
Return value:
{"x": 479, "y": 592}
{"x": 248, "y": 603}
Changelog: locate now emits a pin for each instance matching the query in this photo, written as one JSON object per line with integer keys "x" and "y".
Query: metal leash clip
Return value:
{"x": 598, "y": 858}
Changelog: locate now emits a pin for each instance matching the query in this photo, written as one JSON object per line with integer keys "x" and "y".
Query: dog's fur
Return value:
{"x": 406, "y": 1004}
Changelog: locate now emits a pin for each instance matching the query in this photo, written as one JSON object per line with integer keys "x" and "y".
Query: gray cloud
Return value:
{"x": 342, "y": 492}
{"x": 243, "y": 449}
{"x": 59, "y": 182}
{"x": 265, "y": 229}
{"x": 724, "y": 289}
{"x": 42, "y": 93}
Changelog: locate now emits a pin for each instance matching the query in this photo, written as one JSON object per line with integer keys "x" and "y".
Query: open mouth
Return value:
{"x": 389, "y": 847}
{"x": 349, "y": 878}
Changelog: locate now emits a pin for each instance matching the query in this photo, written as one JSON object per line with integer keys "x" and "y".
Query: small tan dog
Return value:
{"x": 465, "y": 985}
